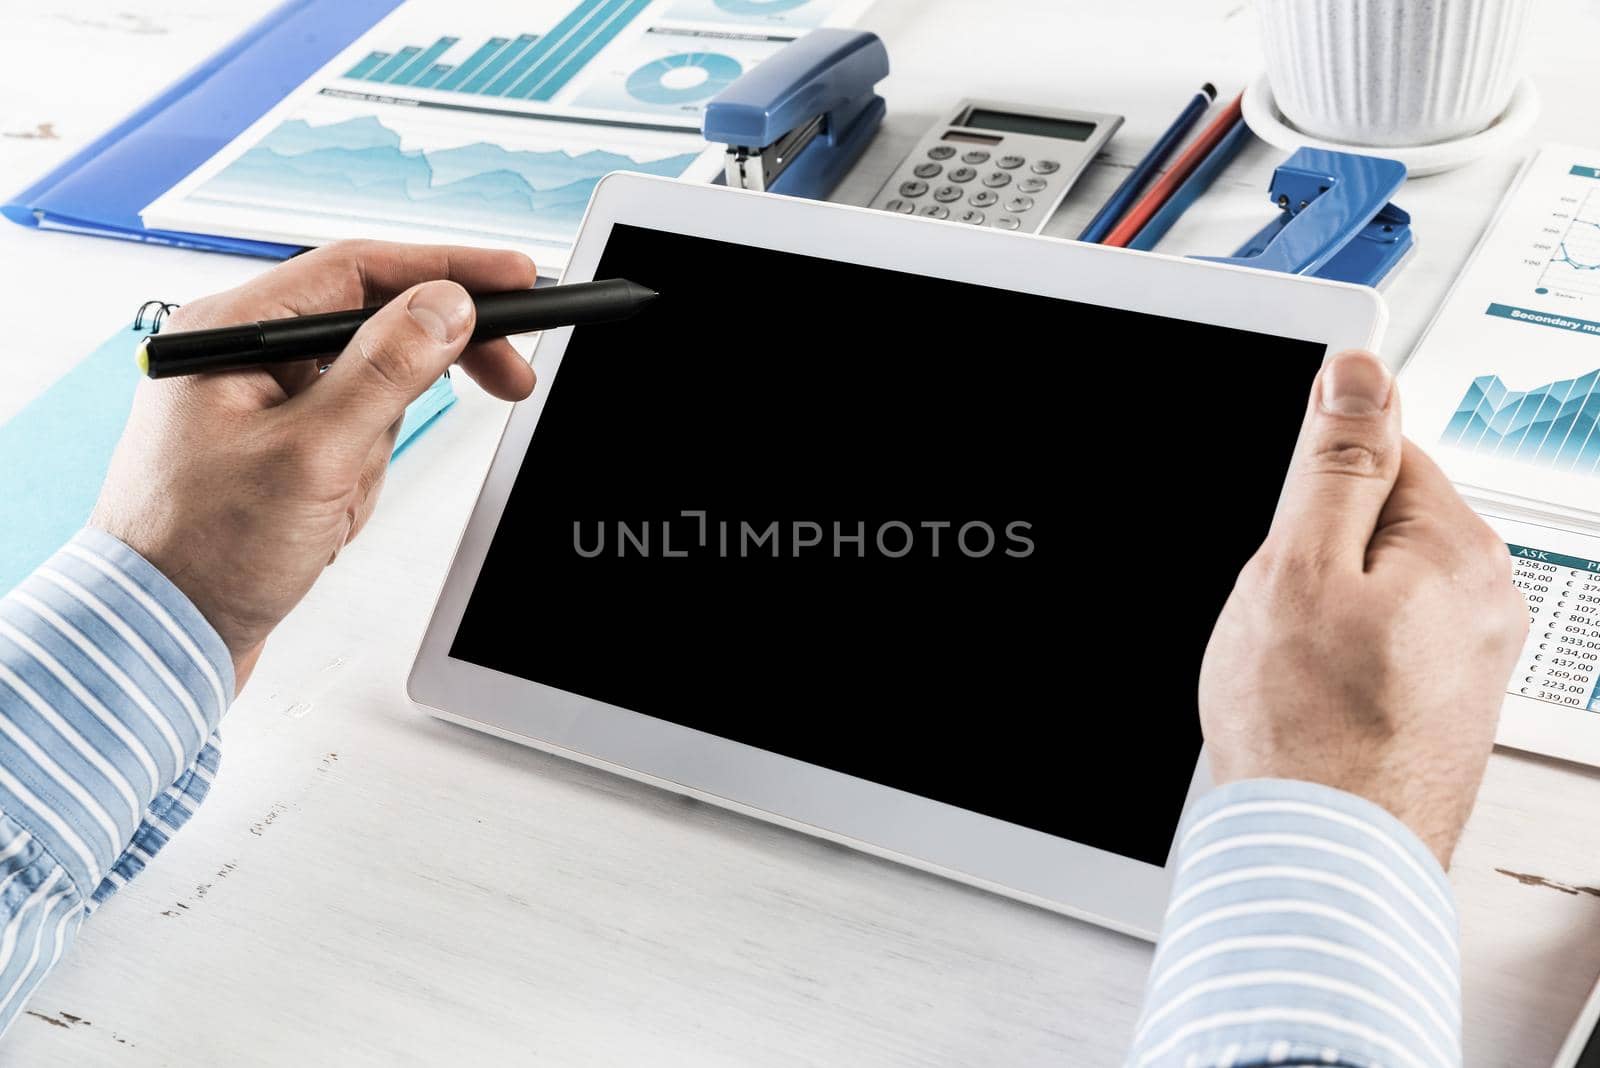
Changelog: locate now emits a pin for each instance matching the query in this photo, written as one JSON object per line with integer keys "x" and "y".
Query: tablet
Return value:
{"x": 897, "y": 531}
{"x": 1582, "y": 1047}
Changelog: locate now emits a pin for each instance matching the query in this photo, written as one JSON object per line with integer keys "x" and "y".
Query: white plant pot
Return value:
{"x": 1393, "y": 72}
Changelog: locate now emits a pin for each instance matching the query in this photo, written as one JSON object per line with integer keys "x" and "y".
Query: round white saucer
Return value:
{"x": 1261, "y": 114}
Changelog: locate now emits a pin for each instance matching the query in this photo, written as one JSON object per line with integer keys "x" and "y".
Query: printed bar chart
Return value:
{"x": 490, "y": 70}
{"x": 576, "y": 39}
{"x": 484, "y": 54}
{"x": 526, "y": 67}
{"x": 391, "y": 66}
{"x": 408, "y": 74}
{"x": 1549, "y": 426}
{"x": 368, "y": 65}
{"x": 509, "y": 75}
{"x": 432, "y": 75}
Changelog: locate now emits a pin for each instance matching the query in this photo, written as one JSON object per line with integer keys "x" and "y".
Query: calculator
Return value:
{"x": 996, "y": 164}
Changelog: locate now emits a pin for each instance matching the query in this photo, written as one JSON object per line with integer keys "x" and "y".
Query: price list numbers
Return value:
{"x": 1561, "y": 662}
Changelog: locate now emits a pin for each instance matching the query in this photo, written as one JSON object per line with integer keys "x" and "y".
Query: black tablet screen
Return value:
{"x": 961, "y": 541}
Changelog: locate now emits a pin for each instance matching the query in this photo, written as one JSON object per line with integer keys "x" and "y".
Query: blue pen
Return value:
{"x": 1197, "y": 183}
{"x": 1106, "y": 218}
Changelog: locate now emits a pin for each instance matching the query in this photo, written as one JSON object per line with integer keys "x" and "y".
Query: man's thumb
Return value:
{"x": 392, "y": 360}
{"x": 1346, "y": 463}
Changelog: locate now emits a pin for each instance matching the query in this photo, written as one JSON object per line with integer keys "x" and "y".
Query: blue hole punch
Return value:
{"x": 1335, "y": 219}
{"x": 796, "y": 123}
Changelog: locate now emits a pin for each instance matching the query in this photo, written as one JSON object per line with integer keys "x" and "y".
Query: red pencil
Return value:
{"x": 1129, "y": 225}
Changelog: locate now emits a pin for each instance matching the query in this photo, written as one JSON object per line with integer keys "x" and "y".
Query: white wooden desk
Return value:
{"x": 368, "y": 886}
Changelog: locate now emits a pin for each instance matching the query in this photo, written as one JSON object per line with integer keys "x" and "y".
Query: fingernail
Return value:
{"x": 442, "y": 309}
{"x": 1355, "y": 383}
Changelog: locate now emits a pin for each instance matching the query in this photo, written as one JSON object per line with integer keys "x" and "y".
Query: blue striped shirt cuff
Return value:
{"x": 1307, "y": 927}
{"x": 111, "y": 685}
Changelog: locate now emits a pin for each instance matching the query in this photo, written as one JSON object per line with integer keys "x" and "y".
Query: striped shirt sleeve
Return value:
{"x": 111, "y": 688}
{"x": 1306, "y": 927}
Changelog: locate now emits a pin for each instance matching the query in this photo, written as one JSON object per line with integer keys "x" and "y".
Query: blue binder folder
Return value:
{"x": 102, "y": 189}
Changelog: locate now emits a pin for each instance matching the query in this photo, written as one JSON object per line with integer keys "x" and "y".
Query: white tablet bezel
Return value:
{"x": 1102, "y": 887}
{"x": 1583, "y": 1030}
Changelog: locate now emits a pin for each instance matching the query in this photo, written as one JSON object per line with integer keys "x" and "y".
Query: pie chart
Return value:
{"x": 686, "y": 77}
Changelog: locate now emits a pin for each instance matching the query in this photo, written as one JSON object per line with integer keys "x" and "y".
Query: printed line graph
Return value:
{"x": 1574, "y": 266}
{"x": 360, "y": 169}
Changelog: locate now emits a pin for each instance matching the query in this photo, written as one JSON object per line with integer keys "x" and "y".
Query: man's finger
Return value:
{"x": 355, "y": 274}
{"x": 499, "y": 369}
{"x": 292, "y": 378}
{"x": 494, "y": 364}
{"x": 1426, "y": 516}
{"x": 370, "y": 484}
{"x": 392, "y": 360}
{"x": 1345, "y": 466}
{"x": 1421, "y": 491}
{"x": 386, "y": 269}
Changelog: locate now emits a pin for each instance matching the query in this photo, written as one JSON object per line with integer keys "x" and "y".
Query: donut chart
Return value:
{"x": 758, "y": 7}
{"x": 687, "y": 77}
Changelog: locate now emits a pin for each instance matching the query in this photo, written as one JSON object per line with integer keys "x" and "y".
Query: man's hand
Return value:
{"x": 1368, "y": 643}
{"x": 242, "y": 486}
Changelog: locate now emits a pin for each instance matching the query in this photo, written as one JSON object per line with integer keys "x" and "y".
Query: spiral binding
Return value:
{"x": 161, "y": 309}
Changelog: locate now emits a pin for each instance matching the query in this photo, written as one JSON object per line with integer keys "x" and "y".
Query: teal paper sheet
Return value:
{"x": 54, "y": 453}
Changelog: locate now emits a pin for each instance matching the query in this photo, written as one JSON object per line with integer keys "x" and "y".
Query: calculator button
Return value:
{"x": 1045, "y": 166}
{"x": 904, "y": 207}
{"x": 947, "y": 194}
{"x": 1008, "y": 222}
{"x": 983, "y": 199}
{"x": 996, "y": 179}
{"x": 1032, "y": 185}
{"x": 941, "y": 152}
{"x": 927, "y": 170}
{"x": 1010, "y": 163}
{"x": 963, "y": 174}
{"x": 977, "y": 155}
{"x": 934, "y": 211}
{"x": 973, "y": 216}
{"x": 913, "y": 188}
{"x": 1019, "y": 204}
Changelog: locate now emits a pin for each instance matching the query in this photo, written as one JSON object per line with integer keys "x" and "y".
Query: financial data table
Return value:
{"x": 1561, "y": 661}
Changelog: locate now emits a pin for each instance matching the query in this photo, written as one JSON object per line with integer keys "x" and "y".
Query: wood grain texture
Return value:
{"x": 370, "y": 887}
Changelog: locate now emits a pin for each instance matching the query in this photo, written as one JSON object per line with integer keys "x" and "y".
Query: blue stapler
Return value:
{"x": 1335, "y": 220}
{"x": 795, "y": 123}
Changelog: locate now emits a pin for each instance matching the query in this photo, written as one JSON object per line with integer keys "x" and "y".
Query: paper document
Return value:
{"x": 55, "y": 452}
{"x": 1553, "y": 699}
{"x": 480, "y": 122}
{"x": 1504, "y": 388}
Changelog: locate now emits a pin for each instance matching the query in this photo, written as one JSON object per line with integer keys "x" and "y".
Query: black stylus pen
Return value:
{"x": 228, "y": 348}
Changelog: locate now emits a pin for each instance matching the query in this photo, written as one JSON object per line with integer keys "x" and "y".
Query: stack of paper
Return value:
{"x": 479, "y": 122}
{"x": 1504, "y": 388}
{"x": 1504, "y": 391}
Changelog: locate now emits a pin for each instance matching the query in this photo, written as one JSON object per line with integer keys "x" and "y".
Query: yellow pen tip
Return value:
{"x": 142, "y": 358}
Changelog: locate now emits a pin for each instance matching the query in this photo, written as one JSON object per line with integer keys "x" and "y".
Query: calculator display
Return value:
{"x": 971, "y": 138}
{"x": 1036, "y": 125}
